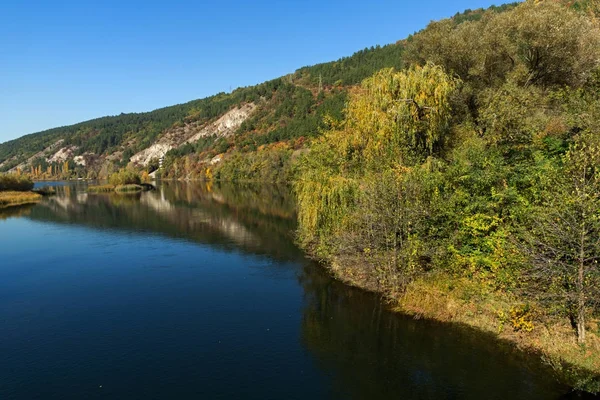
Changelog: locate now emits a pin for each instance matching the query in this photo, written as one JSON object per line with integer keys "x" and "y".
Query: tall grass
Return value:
{"x": 13, "y": 198}
{"x": 128, "y": 188}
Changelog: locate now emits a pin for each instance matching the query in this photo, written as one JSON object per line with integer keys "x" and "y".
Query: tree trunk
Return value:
{"x": 580, "y": 307}
{"x": 581, "y": 294}
{"x": 581, "y": 322}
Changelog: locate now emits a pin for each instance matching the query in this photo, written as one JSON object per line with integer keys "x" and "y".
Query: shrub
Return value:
{"x": 125, "y": 177}
{"x": 520, "y": 317}
{"x": 15, "y": 182}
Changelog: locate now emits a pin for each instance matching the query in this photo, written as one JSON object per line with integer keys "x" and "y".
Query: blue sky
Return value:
{"x": 63, "y": 62}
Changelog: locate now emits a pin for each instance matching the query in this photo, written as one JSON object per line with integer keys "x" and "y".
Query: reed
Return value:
{"x": 12, "y": 198}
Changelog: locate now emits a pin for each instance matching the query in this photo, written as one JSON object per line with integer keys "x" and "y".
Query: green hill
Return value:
{"x": 289, "y": 110}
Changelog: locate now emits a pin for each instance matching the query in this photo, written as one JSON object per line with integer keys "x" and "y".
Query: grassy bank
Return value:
{"x": 124, "y": 181}
{"x": 526, "y": 325}
{"x": 12, "y": 198}
{"x": 14, "y": 182}
{"x": 449, "y": 300}
{"x": 445, "y": 298}
{"x": 15, "y": 190}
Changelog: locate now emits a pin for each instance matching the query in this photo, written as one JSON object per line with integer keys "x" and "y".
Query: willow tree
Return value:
{"x": 394, "y": 120}
{"x": 398, "y": 117}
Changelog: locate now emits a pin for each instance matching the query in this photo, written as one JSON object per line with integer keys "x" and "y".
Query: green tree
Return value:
{"x": 542, "y": 43}
{"x": 564, "y": 240}
{"x": 125, "y": 177}
{"x": 393, "y": 121}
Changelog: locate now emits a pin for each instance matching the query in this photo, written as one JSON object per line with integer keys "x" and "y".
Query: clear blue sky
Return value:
{"x": 63, "y": 62}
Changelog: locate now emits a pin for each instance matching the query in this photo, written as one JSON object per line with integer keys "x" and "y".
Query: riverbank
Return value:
{"x": 14, "y": 198}
{"x": 447, "y": 299}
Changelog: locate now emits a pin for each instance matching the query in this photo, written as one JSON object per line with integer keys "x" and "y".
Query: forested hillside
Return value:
{"x": 290, "y": 110}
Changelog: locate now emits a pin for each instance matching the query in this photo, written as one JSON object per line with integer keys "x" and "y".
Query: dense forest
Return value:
{"x": 457, "y": 172}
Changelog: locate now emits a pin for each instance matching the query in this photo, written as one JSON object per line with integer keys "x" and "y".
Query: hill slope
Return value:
{"x": 289, "y": 109}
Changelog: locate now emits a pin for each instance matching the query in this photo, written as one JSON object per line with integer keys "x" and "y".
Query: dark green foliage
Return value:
{"x": 296, "y": 116}
{"x": 352, "y": 70}
{"x": 221, "y": 145}
{"x": 476, "y": 15}
{"x": 460, "y": 158}
{"x": 189, "y": 148}
{"x": 562, "y": 241}
{"x": 127, "y": 154}
{"x": 290, "y": 108}
{"x": 15, "y": 182}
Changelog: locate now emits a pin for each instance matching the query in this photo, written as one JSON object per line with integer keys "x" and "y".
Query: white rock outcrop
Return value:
{"x": 157, "y": 150}
{"x": 79, "y": 160}
{"x": 224, "y": 126}
{"x": 63, "y": 154}
{"x": 216, "y": 159}
{"x": 41, "y": 154}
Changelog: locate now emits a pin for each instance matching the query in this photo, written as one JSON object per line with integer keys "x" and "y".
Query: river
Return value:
{"x": 196, "y": 291}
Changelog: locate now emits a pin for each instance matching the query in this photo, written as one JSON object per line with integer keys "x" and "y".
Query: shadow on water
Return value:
{"x": 376, "y": 354}
{"x": 363, "y": 350}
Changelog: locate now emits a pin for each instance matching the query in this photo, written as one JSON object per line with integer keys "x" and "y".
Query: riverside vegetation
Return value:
{"x": 123, "y": 181}
{"x": 456, "y": 172}
{"x": 466, "y": 187}
{"x": 15, "y": 190}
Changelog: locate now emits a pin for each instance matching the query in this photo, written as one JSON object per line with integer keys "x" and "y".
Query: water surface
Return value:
{"x": 198, "y": 292}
